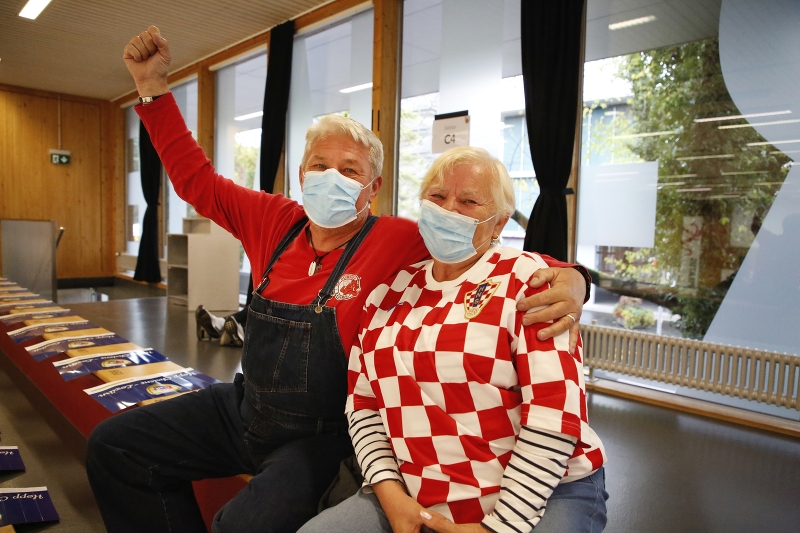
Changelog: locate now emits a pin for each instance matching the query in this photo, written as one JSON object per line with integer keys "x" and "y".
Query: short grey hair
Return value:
{"x": 330, "y": 125}
{"x": 489, "y": 166}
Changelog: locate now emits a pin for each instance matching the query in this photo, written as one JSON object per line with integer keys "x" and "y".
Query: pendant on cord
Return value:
{"x": 313, "y": 268}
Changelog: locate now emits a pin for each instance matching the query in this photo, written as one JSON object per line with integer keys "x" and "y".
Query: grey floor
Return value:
{"x": 50, "y": 459}
{"x": 667, "y": 472}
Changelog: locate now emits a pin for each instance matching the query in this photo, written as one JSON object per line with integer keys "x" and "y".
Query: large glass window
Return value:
{"x": 134, "y": 198}
{"x": 331, "y": 73}
{"x": 239, "y": 110}
{"x": 464, "y": 55}
{"x": 173, "y": 208}
{"x": 688, "y": 198}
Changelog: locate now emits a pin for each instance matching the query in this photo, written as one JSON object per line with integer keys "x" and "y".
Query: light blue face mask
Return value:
{"x": 329, "y": 198}
{"x": 448, "y": 235}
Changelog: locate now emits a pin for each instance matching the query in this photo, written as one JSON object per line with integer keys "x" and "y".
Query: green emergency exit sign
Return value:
{"x": 60, "y": 157}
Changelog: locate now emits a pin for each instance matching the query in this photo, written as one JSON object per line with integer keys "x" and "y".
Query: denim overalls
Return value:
{"x": 294, "y": 365}
{"x": 282, "y": 421}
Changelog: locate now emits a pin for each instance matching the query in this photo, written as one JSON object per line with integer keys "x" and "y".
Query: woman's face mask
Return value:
{"x": 329, "y": 198}
{"x": 447, "y": 234}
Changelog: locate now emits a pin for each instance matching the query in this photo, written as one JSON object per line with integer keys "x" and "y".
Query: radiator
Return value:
{"x": 766, "y": 377}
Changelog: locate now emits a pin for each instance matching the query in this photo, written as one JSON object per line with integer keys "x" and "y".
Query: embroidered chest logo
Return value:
{"x": 347, "y": 288}
{"x": 476, "y": 299}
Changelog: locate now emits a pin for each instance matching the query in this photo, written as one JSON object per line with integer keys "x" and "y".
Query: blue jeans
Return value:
{"x": 576, "y": 507}
{"x": 141, "y": 464}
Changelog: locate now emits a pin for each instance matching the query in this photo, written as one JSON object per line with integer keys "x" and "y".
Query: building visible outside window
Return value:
{"x": 239, "y": 111}
{"x": 331, "y": 74}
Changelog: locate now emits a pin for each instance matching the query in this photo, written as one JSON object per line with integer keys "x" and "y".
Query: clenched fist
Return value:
{"x": 147, "y": 58}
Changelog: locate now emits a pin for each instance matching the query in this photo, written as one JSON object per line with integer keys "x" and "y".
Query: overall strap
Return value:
{"x": 327, "y": 291}
{"x": 285, "y": 242}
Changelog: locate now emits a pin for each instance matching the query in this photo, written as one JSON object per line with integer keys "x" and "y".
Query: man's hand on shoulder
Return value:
{"x": 563, "y": 301}
{"x": 147, "y": 58}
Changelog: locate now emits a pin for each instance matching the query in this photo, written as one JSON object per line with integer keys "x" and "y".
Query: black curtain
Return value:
{"x": 147, "y": 268}
{"x": 551, "y": 67}
{"x": 276, "y": 102}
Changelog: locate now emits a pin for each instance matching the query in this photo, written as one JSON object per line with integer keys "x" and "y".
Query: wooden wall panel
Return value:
{"x": 73, "y": 195}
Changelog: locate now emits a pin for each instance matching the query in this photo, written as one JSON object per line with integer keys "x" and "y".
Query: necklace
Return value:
{"x": 316, "y": 264}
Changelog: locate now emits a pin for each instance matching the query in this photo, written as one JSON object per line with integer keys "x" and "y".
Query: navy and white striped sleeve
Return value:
{"x": 373, "y": 451}
{"x": 537, "y": 464}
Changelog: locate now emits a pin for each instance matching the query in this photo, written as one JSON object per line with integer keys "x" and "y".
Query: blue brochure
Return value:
{"x": 10, "y": 460}
{"x": 46, "y": 349}
{"x": 118, "y": 395}
{"x": 76, "y": 367}
{"x": 33, "y": 314}
{"x": 30, "y": 332}
{"x": 26, "y": 506}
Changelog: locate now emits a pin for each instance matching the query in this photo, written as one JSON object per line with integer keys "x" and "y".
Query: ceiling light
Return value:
{"x": 745, "y": 172}
{"x": 355, "y": 88}
{"x": 698, "y": 189}
{"x": 722, "y": 196}
{"x": 773, "y": 142}
{"x": 631, "y": 22}
{"x": 649, "y": 134}
{"x": 673, "y": 184}
{"x": 773, "y": 123}
{"x": 776, "y": 152}
{"x": 33, "y": 8}
{"x": 749, "y": 115}
{"x": 249, "y": 116}
{"x": 678, "y": 176}
{"x": 693, "y": 157}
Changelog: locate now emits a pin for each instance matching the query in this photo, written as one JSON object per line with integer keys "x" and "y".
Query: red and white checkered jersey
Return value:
{"x": 455, "y": 378}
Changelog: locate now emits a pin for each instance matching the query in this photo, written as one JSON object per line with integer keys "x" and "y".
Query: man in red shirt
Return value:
{"x": 282, "y": 420}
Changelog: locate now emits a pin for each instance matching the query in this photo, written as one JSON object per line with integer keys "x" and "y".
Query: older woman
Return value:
{"x": 462, "y": 420}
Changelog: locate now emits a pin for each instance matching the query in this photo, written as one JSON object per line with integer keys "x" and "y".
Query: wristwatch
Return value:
{"x": 145, "y": 100}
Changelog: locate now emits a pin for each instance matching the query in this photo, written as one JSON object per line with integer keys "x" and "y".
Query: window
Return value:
{"x": 331, "y": 73}
{"x": 688, "y": 191}
{"x": 239, "y": 109}
{"x": 134, "y": 199}
{"x": 173, "y": 208}
{"x": 464, "y": 55}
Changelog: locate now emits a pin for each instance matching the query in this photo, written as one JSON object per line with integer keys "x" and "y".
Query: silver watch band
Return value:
{"x": 145, "y": 100}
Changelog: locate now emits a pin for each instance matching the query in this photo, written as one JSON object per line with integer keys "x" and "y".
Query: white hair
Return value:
{"x": 488, "y": 166}
{"x": 338, "y": 125}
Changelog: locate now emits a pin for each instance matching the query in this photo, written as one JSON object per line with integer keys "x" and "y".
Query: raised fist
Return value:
{"x": 147, "y": 58}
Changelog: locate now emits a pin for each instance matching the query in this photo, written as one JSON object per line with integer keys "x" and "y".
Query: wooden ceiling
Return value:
{"x": 75, "y": 46}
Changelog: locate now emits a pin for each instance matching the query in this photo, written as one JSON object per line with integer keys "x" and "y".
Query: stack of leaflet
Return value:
{"x": 22, "y": 505}
{"x": 133, "y": 375}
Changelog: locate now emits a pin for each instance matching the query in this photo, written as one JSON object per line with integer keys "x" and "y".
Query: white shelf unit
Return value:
{"x": 203, "y": 267}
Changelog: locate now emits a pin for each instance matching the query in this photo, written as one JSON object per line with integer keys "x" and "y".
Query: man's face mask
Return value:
{"x": 329, "y": 198}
